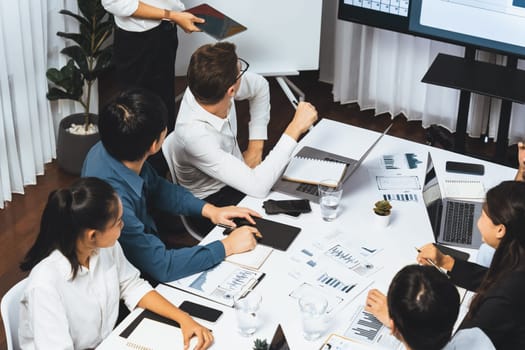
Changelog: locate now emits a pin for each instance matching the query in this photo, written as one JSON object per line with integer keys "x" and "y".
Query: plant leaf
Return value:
{"x": 80, "y": 19}
{"x": 79, "y": 56}
{"x": 82, "y": 40}
{"x": 68, "y": 78}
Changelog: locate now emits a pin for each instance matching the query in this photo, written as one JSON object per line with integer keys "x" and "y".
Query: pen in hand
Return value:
{"x": 257, "y": 235}
{"x": 431, "y": 262}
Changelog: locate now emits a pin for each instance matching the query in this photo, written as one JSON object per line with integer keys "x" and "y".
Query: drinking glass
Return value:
{"x": 247, "y": 311}
{"x": 330, "y": 192}
{"x": 313, "y": 308}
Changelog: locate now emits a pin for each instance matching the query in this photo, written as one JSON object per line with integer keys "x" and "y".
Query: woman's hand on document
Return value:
{"x": 191, "y": 329}
{"x": 429, "y": 254}
{"x": 377, "y": 305}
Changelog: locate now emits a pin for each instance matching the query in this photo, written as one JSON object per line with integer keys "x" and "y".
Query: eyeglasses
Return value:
{"x": 243, "y": 67}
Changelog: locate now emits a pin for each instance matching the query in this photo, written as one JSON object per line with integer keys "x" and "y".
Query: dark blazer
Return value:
{"x": 501, "y": 314}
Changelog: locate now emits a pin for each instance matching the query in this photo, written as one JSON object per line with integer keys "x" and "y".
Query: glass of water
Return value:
{"x": 313, "y": 312}
{"x": 247, "y": 311}
{"x": 330, "y": 192}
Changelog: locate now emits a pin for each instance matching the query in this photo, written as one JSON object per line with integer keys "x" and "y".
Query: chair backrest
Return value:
{"x": 470, "y": 338}
{"x": 169, "y": 155}
{"x": 10, "y": 308}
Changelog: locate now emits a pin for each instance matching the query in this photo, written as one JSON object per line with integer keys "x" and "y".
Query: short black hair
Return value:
{"x": 424, "y": 305}
{"x": 212, "y": 70}
{"x": 130, "y": 123}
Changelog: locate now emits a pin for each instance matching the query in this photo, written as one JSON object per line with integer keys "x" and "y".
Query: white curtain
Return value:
{"x": 382, "y": 69}
{"x": 28, "y": 122}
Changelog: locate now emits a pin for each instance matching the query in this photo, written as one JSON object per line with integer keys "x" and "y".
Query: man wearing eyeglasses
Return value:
{"x": 204, "y": 149}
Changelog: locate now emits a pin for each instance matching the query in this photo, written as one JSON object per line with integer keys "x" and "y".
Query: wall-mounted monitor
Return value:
{"x": 496, "y": 25}
{"x": 386, "y": 14}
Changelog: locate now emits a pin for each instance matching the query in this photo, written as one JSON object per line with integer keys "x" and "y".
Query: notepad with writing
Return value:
{"x": 313, "y": 171}
{"x": 464, "y": 189}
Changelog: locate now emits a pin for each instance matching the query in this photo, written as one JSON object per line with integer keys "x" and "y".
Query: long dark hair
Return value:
{"x": 504, "y": 205}
{"x": 89, "y": 203}
{"x": 423, "y": 304}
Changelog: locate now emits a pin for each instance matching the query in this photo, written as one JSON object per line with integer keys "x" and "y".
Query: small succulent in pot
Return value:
{"x": 382, "y": 208}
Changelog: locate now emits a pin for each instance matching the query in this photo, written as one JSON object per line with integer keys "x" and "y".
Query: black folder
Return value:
{"x": 275, "y": 234}
{"x": 146, "y": 314}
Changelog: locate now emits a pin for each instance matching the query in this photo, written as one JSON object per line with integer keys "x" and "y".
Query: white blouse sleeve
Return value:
{"x": 46, "y": 317}
{"x": 132, "y": 287}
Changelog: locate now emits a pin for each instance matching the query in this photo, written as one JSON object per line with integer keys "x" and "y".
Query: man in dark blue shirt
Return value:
{"x": 132, "y": 128}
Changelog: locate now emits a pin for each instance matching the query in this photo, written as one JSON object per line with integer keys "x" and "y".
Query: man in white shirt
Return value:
{"x": 204, "y": 148}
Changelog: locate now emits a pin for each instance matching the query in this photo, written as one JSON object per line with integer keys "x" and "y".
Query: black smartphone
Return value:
{"x": 200, "y": 311}
{"x": 465, "y": 168}
{"x": 290, "y": 207}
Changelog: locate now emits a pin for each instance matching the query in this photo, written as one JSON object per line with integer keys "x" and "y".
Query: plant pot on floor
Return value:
{"x": 72, "y": 149}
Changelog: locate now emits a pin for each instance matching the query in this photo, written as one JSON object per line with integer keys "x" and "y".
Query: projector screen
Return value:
{"x": 386, "y": 14}
{"x": 497, "y": 25}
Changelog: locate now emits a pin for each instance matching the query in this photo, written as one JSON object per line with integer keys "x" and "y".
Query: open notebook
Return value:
{"x": 313, "y": 171}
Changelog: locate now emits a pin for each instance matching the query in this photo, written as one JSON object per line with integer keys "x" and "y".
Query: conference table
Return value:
{"x": 355, "y": 225}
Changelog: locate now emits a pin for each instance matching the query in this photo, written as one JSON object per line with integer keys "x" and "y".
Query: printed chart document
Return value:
{"x": 313, "y": 171}
{"x": 222, "y": 283}
{"x": 337, "y": 342}
{"x": 367, "y": 329}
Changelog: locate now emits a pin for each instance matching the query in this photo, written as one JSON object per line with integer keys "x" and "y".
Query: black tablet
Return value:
{"x": 217, "y": 24}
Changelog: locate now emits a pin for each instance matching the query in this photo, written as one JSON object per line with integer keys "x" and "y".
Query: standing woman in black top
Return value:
{"x": 499, "y": 305}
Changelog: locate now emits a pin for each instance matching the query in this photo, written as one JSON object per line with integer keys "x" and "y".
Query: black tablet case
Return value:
{"x": 275, "y": 234}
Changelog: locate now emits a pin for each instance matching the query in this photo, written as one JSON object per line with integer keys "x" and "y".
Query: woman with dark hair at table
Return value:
{"x": 421, "y": 308}
{"x": 499, "y": 305}
{"x": 79, "y": 273}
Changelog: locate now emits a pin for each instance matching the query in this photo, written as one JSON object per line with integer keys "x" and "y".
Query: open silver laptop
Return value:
{"x": 309, "y": 191}
{"x": 453, "y": 220}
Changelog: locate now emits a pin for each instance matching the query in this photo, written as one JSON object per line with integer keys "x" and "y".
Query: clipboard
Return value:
{"x": 275, "y": 234}
{"x": 217, "y": 24}
{"x": 222, "y": 284}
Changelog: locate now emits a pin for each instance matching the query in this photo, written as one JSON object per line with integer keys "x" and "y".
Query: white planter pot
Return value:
{"x": 382, "y": 221}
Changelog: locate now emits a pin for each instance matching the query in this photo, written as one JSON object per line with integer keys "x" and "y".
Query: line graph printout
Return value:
{"x": 394, "y": 7}
{"x": 221, "y": 283}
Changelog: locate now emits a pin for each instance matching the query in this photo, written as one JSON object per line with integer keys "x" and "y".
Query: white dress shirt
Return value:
{"x": 123, "y": 9}
{"x": 58, "y": 312}
{"x": 205, "y": 150}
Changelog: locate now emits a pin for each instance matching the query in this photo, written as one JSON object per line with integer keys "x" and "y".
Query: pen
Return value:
{"x": 433, "y": 263}
{"x": 295, "y": 104}
{"x": 257, "y": 235}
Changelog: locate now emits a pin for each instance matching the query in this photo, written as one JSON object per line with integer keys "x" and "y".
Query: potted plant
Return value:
{"x": 383, "y": 209}
{"x": 88, "y": 58}
{"x": 260, "y": 344}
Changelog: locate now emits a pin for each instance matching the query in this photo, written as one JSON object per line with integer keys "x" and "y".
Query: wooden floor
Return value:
{"x": 19, "y": 220}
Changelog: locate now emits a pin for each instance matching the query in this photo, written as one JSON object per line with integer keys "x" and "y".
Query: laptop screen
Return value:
{"x": 279, "y": 341}
{"x": 432, "y": 197}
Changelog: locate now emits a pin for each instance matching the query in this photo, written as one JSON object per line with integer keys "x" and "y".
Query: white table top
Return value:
{"x": 409, "y": 227}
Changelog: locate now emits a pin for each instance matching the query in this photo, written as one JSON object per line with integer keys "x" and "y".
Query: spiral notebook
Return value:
{"x": 313, "y": 171}
{"x": 464, "y": 189}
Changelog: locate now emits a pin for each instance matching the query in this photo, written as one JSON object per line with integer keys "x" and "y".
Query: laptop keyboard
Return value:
{"x": 308, "y": 188}
{"x": 459, "y": 222}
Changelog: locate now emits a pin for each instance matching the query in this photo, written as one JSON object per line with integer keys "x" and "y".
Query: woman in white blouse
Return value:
{"x": 79, "y": 273}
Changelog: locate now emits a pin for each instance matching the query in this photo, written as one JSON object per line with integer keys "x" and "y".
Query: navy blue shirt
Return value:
{"x": 139, "y": 238}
